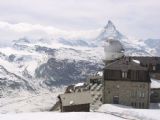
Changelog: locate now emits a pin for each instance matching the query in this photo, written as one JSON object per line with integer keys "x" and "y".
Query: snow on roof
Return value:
{"x": 136, "y": 61}
{"x": 76, "y": 98}
{"x": 79, "y": 84}
{"x": 100, "y": 73}
{"x": 155, "y": 83}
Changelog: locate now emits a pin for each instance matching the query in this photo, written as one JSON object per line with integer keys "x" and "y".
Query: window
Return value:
{"x": 142, "y": 105}
{"x": 133, "y": 94}
{"x": 135, "y": 104}
{"x": 137, "y": 94}
{"x": 154, "y": 67}
{"x": 140, "y": 94}
{"x": 132, "y": 104}
{"x": 117, "y": 86}
{"x": 130, "y": 94}
{"x": 124, "y": 74}
{"x": 143, "y": 95}
{"x": 115, "y": 99}
{"x": 139, "y": 104}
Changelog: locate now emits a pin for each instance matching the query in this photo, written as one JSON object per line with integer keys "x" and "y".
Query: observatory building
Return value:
{"x": 124, "y": 81}
{"x": 113, "y": 50}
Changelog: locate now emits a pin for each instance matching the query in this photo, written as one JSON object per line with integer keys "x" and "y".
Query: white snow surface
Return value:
{"x": 105, "y": 112}
{"x": 44, "y": 100}
{"x": 59, "y": 116}
{"x": 130, "y": 113}
{"x": 136, "y": 61}
{"x": 155, "y": 83}
{"x": 79, "y": 84}
{"x": 100, "y": 73}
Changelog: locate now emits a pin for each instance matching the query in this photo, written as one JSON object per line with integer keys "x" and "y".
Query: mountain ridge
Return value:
{"x": 48, "y": 62}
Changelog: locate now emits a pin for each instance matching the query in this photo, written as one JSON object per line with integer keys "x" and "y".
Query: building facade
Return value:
{"x": 126, "y": 82}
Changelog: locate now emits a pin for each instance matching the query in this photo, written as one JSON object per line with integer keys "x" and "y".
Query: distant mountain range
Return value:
{"x": 32, "y": 64}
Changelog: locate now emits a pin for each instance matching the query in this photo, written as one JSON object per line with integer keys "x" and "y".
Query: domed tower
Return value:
{"x": 113, "y": 50}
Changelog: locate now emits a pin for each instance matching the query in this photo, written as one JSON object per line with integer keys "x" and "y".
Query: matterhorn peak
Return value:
{"x": 110, "y": 25}
{"x": 110, "y": 31}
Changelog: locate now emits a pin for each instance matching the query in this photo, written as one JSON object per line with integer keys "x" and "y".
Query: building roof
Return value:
{"x": 76, "y": 98}
{"x": 95, "y": 77}
{"x": 148, "y": 60}
{"x": 125, "y": 64}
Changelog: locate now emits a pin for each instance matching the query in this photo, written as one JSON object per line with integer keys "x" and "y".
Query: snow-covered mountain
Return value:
{"x": 32, "y": 63}
{"x": 110, "y": 31}
{"x": 10, "y": 81}
{"x": 132, "y": 47}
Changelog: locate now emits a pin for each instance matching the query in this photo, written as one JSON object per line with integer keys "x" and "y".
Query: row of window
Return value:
{"x": 137, "y": 104}
{"x": 133, "y": 75}
{"x": 136, "y": 75}
{"x": 139, "y": 94}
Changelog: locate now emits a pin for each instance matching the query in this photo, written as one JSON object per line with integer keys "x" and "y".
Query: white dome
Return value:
{"x": 113, "y": 49}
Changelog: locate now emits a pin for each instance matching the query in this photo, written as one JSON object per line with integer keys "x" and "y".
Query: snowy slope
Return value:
{"x": 43, "y": 100}
{"x": 109, "y": 112}
{"x": 59, "y": 116}
{"x": 153, "y": 45}
{"x": 130, "y": 113}
{"x": 11, "y": 83}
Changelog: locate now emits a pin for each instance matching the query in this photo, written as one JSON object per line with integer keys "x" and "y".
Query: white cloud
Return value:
{"x": 10, "y": 32}
{"x": 138, "y": 18}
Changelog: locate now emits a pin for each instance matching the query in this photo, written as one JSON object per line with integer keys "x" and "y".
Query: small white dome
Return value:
{"x": 113, "y": 49}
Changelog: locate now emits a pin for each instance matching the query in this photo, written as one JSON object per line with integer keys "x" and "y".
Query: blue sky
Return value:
{"x": 136, "y": 18}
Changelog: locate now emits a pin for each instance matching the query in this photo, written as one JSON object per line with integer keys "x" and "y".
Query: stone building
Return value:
{"x": 95, "y": 78}
{"x": 75, "y": 102}
{"x": 152, "y": 63}
{"x": 126, "y": 82}
{"x": 155, "y": 91}
{"x": 155, "y": 95}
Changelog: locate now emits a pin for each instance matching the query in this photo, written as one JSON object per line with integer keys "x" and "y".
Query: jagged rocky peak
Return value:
{"x": 110, "y": 26}
{"x": 110, "y": 31}
{"x": 21, "y": 40}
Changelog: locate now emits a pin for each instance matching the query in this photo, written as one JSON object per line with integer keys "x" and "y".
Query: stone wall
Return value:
{"x": 128, "y": 93}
